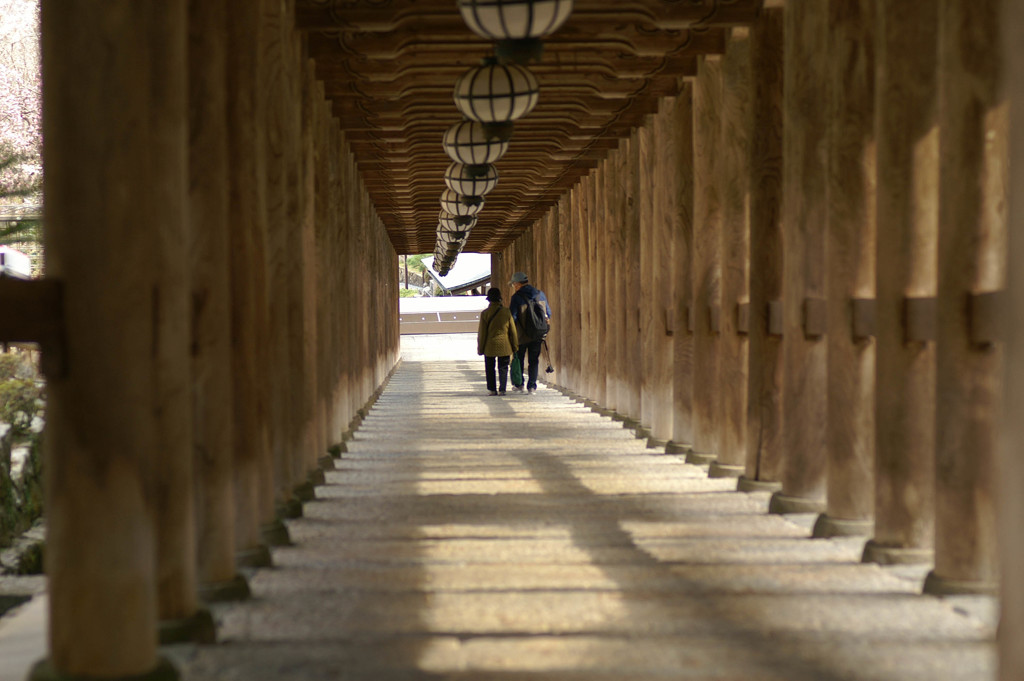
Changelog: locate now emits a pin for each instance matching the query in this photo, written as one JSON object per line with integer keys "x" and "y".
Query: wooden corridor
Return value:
{"x": 472, "y": 537}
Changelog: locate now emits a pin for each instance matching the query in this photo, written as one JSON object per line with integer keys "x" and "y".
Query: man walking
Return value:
{"x": 532, "y": 315}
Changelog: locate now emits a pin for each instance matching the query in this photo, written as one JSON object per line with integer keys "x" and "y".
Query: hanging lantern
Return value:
{"x": 496, "y": 94}
{"x": 517, "y": 25}
{"x": 452, "y": 240}
{"x": 455, "y": 223}
{"x": 461, "y": 205}
{"x": 469, "y": 143}
{"x": 472, "y": 180}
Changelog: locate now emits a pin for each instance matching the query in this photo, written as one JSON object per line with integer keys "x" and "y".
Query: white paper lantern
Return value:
{"x": 514, "y": 19}
{"x": 496, "y": 93}
{"x": 470, "y": 143}
{"x": 457, "y": 204}
{"x": 455, "y": 223}
{"x": 474, "y": 180}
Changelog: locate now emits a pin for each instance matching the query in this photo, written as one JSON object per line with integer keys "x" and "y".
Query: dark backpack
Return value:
{"x": 534, "y": 319}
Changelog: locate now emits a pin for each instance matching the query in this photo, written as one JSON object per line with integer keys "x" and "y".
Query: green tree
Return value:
{"x": 15, "y": 185}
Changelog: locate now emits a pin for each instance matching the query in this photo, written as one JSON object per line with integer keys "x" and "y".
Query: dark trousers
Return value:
{"x": 502, "y": 377}
{"x": 531, "y": 350}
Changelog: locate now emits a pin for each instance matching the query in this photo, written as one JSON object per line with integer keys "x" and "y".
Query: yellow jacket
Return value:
{"x": 496, "y": 336}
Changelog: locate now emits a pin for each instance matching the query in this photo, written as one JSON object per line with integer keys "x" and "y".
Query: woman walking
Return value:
{"x": 496, "y": 340}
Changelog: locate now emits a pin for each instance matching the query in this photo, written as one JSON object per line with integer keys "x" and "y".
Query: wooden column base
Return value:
{"x": 782, "y": 504}
{"x": 275, "y": 533}
{"x": 199, "y": 628}
{"x": 745, "y": 484}
{"x": 164, "y": 671}
{"x": 256, "y": 557}
{"x": 700, "y": 458}
{"x": 725, "y": 470}
{"x": 236, "y": 589}
{"x": 826, "y": 526}
{"x": 673, "y": 447}
{"x": 940, "y": 586}
{"x": 895, "y": 555}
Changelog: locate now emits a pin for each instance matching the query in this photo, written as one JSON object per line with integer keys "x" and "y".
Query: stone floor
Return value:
{"x": 464, "y": 536}
{"x": 473, "y": 537}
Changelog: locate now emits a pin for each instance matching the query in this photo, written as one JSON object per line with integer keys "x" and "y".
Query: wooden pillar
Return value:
{"x": 177, "y": 582}
{"x": 323, "y": 222}
{"x": 115, "y": 125}
{"x": 629, "y": 285}
{"x": 584, "y": 230}
{"x": 212, "y": 398}
{"x": 906, "y": 127}
{"x": 973, "y": 115}
{"x": 733, "y": 177}
{"x": 568, "y": 289}
{"x": 301, "y": 330}
{"x": 850, "y": 254}
{"x": 613, "y": 194}
{"x": 803, "y": 226}
{"x": 600, "y": 335}
{"x": 663, "y": 232}
{"x": 247, "y": 220}
{"x": 592, "y": 341}
{"x": 314, "y": 445}
{"x": 707, "y": 262}
{"x": 1010, "y": 511}
{"x": 682, "y": 184}
{"x": 277, "y": 140}
{"x": 764, "y": 340}
{"x": 644, "y": 200}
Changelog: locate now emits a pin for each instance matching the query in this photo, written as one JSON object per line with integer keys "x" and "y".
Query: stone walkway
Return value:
{"x": 473, "y": 537}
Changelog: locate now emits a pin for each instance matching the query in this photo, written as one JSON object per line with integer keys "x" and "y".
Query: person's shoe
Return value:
{"x": 532, "y": 391}
{"x": 501, "y": 393}
{"x": 493, "y": 392}
{"x": 517, "y": 388}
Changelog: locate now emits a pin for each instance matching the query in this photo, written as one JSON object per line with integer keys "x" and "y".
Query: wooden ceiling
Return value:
{"x": 390, "y": 66}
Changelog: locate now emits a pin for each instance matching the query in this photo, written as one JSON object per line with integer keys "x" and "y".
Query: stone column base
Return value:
{"x": 326, "y": 463}
{"x": 603, "y": 411}
{"x": 782, "y": 504}
{"x": 256, "y": 557}
{"x": 634, "y": 425}
{"x": 275, "y": 533}
{"x": 826, "y": 526}
{"x": 895, "y": 555}
{"x": 725, "y": 470}
{"x": 164, "y": 671}
{"x": 655, "y": 443}
{"x": 199, "y": 628}
{"x": 673, "y": 447}
{"x": 337, "y": 450}
{"x": 940, "y": 586}
{"x": 617, "y": 416}
{"x": 304, "y": 492}
{"x": 290, "y": 508}
{"x": 745, "y": 484}
{"x": 700, "y": 458}
{"x": 236, "y": 589}
{"x": 316, "y": 477}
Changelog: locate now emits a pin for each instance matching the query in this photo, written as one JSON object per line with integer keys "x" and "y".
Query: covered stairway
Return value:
{"x": 779, "y": 238}
{"x": 464, "y": 536}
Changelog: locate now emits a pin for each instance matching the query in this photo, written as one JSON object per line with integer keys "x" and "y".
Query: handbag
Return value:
{"x": 516, "y": 371}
